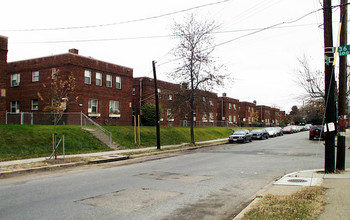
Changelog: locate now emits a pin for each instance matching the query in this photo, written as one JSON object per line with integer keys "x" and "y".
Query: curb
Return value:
{"x": 103, "y": 159}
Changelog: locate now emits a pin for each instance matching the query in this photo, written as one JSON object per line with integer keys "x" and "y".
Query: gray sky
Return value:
{"x": 133, "y": 33}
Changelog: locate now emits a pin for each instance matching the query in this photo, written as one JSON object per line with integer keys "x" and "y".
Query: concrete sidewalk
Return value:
{"x": 337, "y": 194}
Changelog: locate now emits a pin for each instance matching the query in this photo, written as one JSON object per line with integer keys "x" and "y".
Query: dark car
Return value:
{"x": 316, "y": 132}
{"x": 240, "y": 136}
{"x": 260, "y": 134}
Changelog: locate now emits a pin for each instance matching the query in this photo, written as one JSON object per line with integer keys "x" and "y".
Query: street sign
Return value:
{"x": 344, "y": 50}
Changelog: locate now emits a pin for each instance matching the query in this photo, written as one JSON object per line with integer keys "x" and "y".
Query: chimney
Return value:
{"x": 73, "y": 50}
{"x": 224, "y": 94}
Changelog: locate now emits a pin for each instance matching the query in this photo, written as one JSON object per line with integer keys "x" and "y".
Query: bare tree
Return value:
{"x": 196, "y": 65}
{"x": 312, "y": 81}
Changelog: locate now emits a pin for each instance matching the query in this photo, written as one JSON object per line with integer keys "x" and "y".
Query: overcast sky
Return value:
{"x": 133, "y": 33}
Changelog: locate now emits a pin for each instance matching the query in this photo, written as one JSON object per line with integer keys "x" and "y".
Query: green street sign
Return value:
{"x": 344, "y": 50}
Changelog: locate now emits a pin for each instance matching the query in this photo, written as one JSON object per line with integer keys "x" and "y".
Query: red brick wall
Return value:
{"x": 75, "y": 64}
{"x": 3, "y": 72}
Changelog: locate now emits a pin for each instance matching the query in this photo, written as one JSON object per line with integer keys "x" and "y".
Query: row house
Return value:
{"x": 99, "y": 89}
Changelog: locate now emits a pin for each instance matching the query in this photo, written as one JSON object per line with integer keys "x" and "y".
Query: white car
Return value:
{"x": 272, "y": 131}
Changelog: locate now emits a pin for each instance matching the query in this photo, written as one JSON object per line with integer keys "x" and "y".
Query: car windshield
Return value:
{"x": 239, "y": 132}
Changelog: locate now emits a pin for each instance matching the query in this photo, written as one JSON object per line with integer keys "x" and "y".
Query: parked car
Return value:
{"x": 260, "y": 134}
{"x": 295, "y": 128}
{"x": 279, "y": 131}
{"x": 316, "y": 132}
{"x": 288, "y": 130}
{"x": 240, "y": 136}
{"x": 272, "y": 131}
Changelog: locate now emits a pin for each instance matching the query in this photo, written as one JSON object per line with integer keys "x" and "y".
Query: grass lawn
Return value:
{"x": 169, "y": 135}
{"x": 30, "y": 141}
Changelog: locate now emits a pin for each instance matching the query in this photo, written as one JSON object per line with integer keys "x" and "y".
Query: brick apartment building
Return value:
{"x": 248, "y": 114}
{"x": 228, "y": 110}
{"x": 110, "y": 95}
{"x": 3, "y": 71}
{"x": 102, "y": 90}
{"x": 173, "y": 101}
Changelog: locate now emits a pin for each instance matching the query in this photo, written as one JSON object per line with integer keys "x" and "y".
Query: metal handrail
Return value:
{"x": 108, "y": 133}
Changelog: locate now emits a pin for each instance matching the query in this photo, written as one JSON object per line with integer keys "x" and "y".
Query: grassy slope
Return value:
{"x": 29, "y": 141}
{"x": 169, "y": 135}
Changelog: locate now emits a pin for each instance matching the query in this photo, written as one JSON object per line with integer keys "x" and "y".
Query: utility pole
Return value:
{"x": 340, "y": 164}
{"x": 157, "y": 104}
{"x": 329, "y": 89}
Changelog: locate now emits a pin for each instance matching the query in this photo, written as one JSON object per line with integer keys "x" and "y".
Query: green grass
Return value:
{"x": 169, "y": 135}
{"x": 30, "y": 141}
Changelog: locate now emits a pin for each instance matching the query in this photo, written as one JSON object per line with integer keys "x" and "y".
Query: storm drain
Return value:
{"x": 298, "y": 181}
{"x": 129, "y": 200}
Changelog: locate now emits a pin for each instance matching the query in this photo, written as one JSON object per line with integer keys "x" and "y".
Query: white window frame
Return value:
{"x": 133, "y": 91}
{"x": 14, "y": 105}
{"x": 93, "y": 108}
{"x": 53, "y": 73}
{"x": 211, "y": 102}
{"x": 109, "y": 82}
{"x": 211, "y": 117}
{"x": 114, "y": 111}
{"x": 35, "y": 76}
{"x": 98, "y": 79}
{"x": 170, "y": 97}
{"x": 15, "y": 79}
{"x": 87, "y": 76}
{"x": 118, "y": 82}
{"x": 169, "y": 115}
{"x": 35, "y": 104}
{"x": 204, "y": 117}
{"x": 229, "y": 106}
{"x": 230, "y": 118}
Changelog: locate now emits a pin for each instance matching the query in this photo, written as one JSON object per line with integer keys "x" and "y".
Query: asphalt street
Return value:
{"x": 208, "y": 183}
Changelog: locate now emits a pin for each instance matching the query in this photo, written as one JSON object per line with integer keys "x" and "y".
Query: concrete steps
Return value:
{"x": 102, "y": 137}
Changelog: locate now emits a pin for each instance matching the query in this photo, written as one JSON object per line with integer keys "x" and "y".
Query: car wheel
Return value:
{"x": 250, "y": 140}
{"x": 311, "y": 137}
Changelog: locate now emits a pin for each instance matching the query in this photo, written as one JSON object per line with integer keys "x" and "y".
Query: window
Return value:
{"x": 230, "y": 118}
{"x": 229, "y": 106}
{"x": 170, "y": 97}
{"x": 14, "y": 106}
{"x": 118, "y": 82}
{"x": 211, "y": 117}
{"x": 234, "y": 119}
{"x": 93, "y": 106}
{"x": 15, "y": 79}
{"x": 211, "y": 102}
{"x": 35, "y": 104}
{"x": 53, "y": 73}
{"x": 169, "y": 115}
{"x": 98, "y": 79}
{"x": 204, "y": 117}
{"x": 114, "y": 107}
{"x": 159, "y": 93}
{"x": 109, "y": 80}
{"x": 234, "y": 106}
{"x": 203, "y": 99}
{"x": 87, "y": 77}
{"x": 35, "y": 76}
{"x": 133, "y": 91}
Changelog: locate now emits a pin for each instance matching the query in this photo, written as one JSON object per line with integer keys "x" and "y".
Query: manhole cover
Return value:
{"x": 297, "y": 180}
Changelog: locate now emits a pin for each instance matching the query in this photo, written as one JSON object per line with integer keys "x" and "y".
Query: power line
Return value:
{"x": 122, "y": 22}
